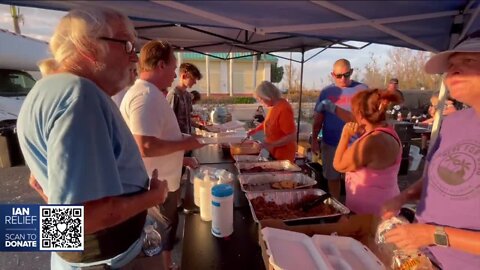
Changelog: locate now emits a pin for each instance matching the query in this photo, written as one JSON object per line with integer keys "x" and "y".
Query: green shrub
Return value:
{"x": 227, "y": 100}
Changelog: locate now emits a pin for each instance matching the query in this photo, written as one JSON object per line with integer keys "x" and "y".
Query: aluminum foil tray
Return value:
{"x": 264, "y": 181}
{"x": 249, "y": 158}
{"x": 269, "y": 166}
{"x": 294, "y": 196}
{"x": 246, "y": 148}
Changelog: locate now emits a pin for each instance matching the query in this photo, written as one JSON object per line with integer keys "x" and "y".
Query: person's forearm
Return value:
{"x": 257, "y": 129}
{"x": 317, "y": 126}
{"x": 152, "y": 147}
{"x": 36, "y": 186}
{"x": 161, "y": 147}
{"x": 284, "y": 140}
{"x": 413, "y": 192}
{"x": 464, "y": 240}
{"x": 341, "y": 148}
{"x": 345, "y": 115}
{"x": 110, "y": 211}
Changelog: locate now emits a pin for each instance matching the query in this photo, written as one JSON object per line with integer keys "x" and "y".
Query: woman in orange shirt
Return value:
{"x": 279, "y": 125}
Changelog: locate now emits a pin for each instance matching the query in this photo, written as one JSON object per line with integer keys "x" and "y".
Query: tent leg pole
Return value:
{"x": 300, "y": 95}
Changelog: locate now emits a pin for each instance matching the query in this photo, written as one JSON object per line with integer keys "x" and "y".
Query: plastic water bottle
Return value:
{"x": 152, "y": 243}
{"x": 399, "y": 116}
{"x": 197, "y": 182}
{"x": 222, "y": 210}
{"x": 206, "y": 198}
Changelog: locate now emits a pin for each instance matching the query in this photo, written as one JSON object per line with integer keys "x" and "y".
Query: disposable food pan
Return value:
{"x": 295, "y": 196}
{"x": 249, "y": 158}
{"x": 267, "y": 166}
{"x": 264, "y": 181}
{"x": 245, "y": 148}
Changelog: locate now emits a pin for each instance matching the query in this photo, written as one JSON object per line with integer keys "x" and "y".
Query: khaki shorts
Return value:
{"x": 328, "y": 153}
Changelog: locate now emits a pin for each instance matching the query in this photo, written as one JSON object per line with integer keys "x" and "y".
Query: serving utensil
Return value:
{"x": 316, "y": 202}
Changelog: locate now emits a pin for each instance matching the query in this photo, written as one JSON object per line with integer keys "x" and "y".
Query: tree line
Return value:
{"x": 404, "y": 64}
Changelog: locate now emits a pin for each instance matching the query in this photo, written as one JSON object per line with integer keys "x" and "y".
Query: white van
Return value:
{"x": 14, "y": 86}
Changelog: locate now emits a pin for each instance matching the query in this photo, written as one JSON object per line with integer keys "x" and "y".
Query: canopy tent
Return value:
{"x": 293, "y": 26}
{"x": 274, "y": 26}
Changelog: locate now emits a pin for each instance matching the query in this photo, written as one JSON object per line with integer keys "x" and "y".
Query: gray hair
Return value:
{"x": 268, "y": 91}
{"x": 76, "y": 37}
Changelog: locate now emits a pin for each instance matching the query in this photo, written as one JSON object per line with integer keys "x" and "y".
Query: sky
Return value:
{"x": 40, "y": 24}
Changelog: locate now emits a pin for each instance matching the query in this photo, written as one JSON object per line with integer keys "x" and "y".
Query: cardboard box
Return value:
{"x": 359, "y": 227}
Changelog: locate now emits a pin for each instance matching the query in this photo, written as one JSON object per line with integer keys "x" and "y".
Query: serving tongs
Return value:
{"x": 309, "y": 205}
{"x": 244, "y": 140}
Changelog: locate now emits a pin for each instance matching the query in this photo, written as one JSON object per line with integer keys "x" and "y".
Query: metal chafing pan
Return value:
{"x": 262, "y": 181}
{"x": 294, "y": 196}
{"x": 245, "y": 148}
{"x": 276, "y": 165}
{"x": 249, "y": 158}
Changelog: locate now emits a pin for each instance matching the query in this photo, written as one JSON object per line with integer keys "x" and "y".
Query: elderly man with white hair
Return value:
{"x": 77, "y": 146}
{"x": 279, "y": 124}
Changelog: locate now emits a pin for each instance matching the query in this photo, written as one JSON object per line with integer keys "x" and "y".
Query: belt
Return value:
{"x": 108, "y": 243}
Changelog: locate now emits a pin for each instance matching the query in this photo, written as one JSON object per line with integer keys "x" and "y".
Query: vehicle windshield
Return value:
{"x": 15, "y": 83}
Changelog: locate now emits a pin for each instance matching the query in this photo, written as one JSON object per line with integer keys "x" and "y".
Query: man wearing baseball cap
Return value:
{"x": 393, "y": 86}
{"x": 448, "y": 212}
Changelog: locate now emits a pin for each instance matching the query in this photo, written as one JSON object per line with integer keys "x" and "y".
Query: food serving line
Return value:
{"x": 265, "y": 191}
{"x": 202, "y": 250}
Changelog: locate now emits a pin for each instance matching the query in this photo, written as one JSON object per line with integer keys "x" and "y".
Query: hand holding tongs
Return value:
{"x": 244, "y": 139}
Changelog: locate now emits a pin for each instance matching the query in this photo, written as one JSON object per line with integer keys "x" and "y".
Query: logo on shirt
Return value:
{"x": 343, "y": 100}
{"x": 457, "y": 169}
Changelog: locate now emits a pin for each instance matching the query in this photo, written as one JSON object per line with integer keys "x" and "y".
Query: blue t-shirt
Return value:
{"x": 79, "y": 148}
{"x": 76, "y": 143}
{"x": 332, "y": 125}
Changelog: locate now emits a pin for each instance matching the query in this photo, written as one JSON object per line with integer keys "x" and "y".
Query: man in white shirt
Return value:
{"x": 156, "y": 131}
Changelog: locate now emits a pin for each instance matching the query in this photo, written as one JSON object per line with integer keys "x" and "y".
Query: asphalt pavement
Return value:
{"x": 14, "y": 189}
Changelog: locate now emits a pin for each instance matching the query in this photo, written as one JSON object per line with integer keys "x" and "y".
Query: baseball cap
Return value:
{"x": 393, "y": 80}
{"x": 439, "y": 62}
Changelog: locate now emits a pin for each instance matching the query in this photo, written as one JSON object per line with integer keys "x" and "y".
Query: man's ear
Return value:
{"x": 91, "y": 53}
{"x": 161, "y": 64}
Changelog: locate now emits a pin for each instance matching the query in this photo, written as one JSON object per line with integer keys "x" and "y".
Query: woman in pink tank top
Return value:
{"x": 371, "y": 163}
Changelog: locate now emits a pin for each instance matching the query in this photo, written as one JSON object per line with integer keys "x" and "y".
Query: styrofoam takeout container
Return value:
{"x": 292, "y": 250}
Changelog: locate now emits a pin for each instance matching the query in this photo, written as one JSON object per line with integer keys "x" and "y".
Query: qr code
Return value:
{"x": 61, "y": 228}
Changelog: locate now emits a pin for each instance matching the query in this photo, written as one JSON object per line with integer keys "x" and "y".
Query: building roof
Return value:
{"x": 237, "y": 56}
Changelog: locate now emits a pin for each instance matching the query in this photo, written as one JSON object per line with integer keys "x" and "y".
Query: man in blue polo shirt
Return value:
{"x": 331, "y": 121}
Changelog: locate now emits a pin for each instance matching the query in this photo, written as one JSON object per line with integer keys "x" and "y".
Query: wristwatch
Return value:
{"x": 440, "y": 237}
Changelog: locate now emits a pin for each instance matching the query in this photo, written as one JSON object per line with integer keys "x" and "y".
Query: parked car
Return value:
{"x": 14, "y": 86}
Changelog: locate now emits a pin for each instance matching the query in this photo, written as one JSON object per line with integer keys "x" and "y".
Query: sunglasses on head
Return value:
{"x": 346, "y": 75}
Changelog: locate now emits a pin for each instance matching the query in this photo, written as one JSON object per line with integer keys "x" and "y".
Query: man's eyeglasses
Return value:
{"x": 129, "y": 46}
{"x": 346, "y": 75}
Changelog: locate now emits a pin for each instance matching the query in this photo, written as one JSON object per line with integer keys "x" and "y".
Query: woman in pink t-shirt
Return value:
{"x": 371, "y": 163}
